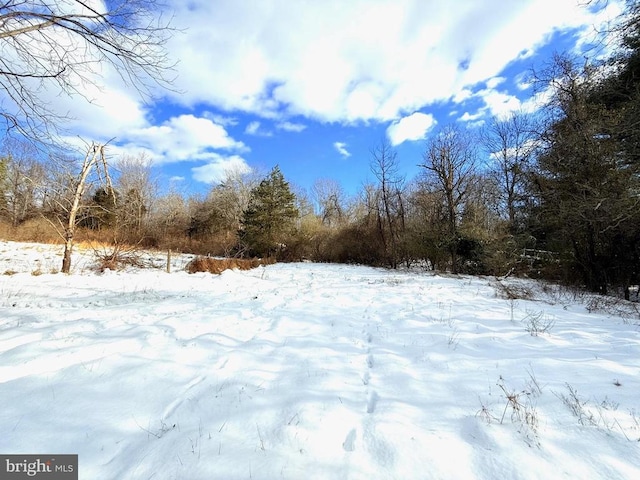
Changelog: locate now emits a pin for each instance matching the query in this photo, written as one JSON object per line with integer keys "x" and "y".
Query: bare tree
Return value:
{"x": 449, "y": 163}
{"x": 68, "y": 199}
{"x": 50, "y": 47}
{"x": 3, "y": 183}
{"x": 136, "y": 188}
{"x": 511, "y": 143}
{"x": 425, "y": 225}
{"x": 23, "y": 181}
{"x": 169, "y": 218}
{"x": 217, "y": 218}
{"x": 231, "y": 197}
{"x": 330, "y": 203}
{"x": 390, "y": 207}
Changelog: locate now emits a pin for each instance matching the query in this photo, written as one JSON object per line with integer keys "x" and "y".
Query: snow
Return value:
{"x": 312, "y": 371}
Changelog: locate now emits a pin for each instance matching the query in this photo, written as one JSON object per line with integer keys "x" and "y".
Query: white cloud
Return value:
{"x": 411, "y": 128}
{"x": 185, "y": 137}
{"x": 495, "y": 81}
{"x": 462, "y": 95}
{"x": 329, "y": 61}
{"x": 179, "y": 139}
{"x": 527, "y": 147}
{"x": 225, "y": 121}
{"x": 255, "y": 128}
{"x": 601, "y": 23}
{"x": 536, "y": 101}
{"x": 468, "y": 117}
{"x": 499, "y": 103}
{"x": 341, "y": 147}
{"x": 217, "y": 168}
{"x": 99, "y": 111}
{"x": 291, "y": 127}
{"x": 252, "y": 128}
{"x": 496, "y": 104}
{"x": 523, "y": 82}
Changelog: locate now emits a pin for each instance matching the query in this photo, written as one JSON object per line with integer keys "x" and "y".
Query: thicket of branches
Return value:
{"x": 63, "y": 47}
{"x": 554, "y": 194}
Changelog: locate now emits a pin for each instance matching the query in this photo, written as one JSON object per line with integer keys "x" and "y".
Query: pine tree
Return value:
{"x": 270, "y": 217}
{"x": 586, "y": 184}
{"x": 102, "y": 210}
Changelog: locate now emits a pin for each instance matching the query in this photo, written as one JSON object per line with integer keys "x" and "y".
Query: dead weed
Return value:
{"x": 219, "y": 265}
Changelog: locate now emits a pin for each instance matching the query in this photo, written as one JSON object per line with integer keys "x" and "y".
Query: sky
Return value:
{"x": 314, "y": 86}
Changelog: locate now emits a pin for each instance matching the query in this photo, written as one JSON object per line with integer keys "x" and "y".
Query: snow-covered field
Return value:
{"x": 306, "y": 371}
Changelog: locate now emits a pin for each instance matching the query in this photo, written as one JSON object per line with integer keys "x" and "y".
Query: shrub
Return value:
{"x": 219, "y": 265}
{"x": 118, "y": 256}
{"x": 34, "y": 230}
{"x": 538, "y": 322}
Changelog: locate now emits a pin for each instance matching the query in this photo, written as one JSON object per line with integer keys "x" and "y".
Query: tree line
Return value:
{"x": 553, "y": 194}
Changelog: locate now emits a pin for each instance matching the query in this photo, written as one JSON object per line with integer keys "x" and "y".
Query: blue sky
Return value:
{"x": 313, "y": 85}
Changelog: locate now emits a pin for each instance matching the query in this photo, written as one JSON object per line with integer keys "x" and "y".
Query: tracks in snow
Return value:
{"x": 365, "y": 432}
{"x": 372, "y": 394}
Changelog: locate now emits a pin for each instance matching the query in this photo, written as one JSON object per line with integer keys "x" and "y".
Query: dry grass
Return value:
{"x": 36, "y": 230}
{"x": 91, "y": 245}
{"x": 514, "y": 291}
{"x": 40, "y": 230}
{"x": 628, "y": 311}
{"x": 219, "y": 265}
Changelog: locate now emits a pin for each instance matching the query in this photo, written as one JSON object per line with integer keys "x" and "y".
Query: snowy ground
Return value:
{"x": 303, "y": 371}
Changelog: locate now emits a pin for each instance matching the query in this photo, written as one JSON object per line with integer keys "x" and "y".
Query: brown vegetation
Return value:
{"x": 219, "y": 265}
{"x": 36, "y": 230}
{"x": 118, "y": 256}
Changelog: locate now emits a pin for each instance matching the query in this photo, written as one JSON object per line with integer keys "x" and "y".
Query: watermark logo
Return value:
{"x": 45, "y": 467}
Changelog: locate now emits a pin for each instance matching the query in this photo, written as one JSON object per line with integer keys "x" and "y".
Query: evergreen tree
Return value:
{"x": 269, "y": 219}
{"x": 584, "y": 184}
{"x": 620, "y": 91}
{"x": 100, "y": 212}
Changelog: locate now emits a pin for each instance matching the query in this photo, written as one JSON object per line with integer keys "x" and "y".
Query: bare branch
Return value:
{"x": 60, "y": 45}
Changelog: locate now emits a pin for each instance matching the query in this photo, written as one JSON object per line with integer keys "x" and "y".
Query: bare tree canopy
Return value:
{"x": 60, "y": 47}
{"x": 450, "y": 164}
{"x": 511, "y": 143}
{"x": 389, "y": 207}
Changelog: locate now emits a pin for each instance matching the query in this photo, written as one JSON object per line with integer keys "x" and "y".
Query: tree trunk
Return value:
{"x": 88, "y": 162}
{"x": 66, "y": 258}
{"x": 453, "y": 232}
